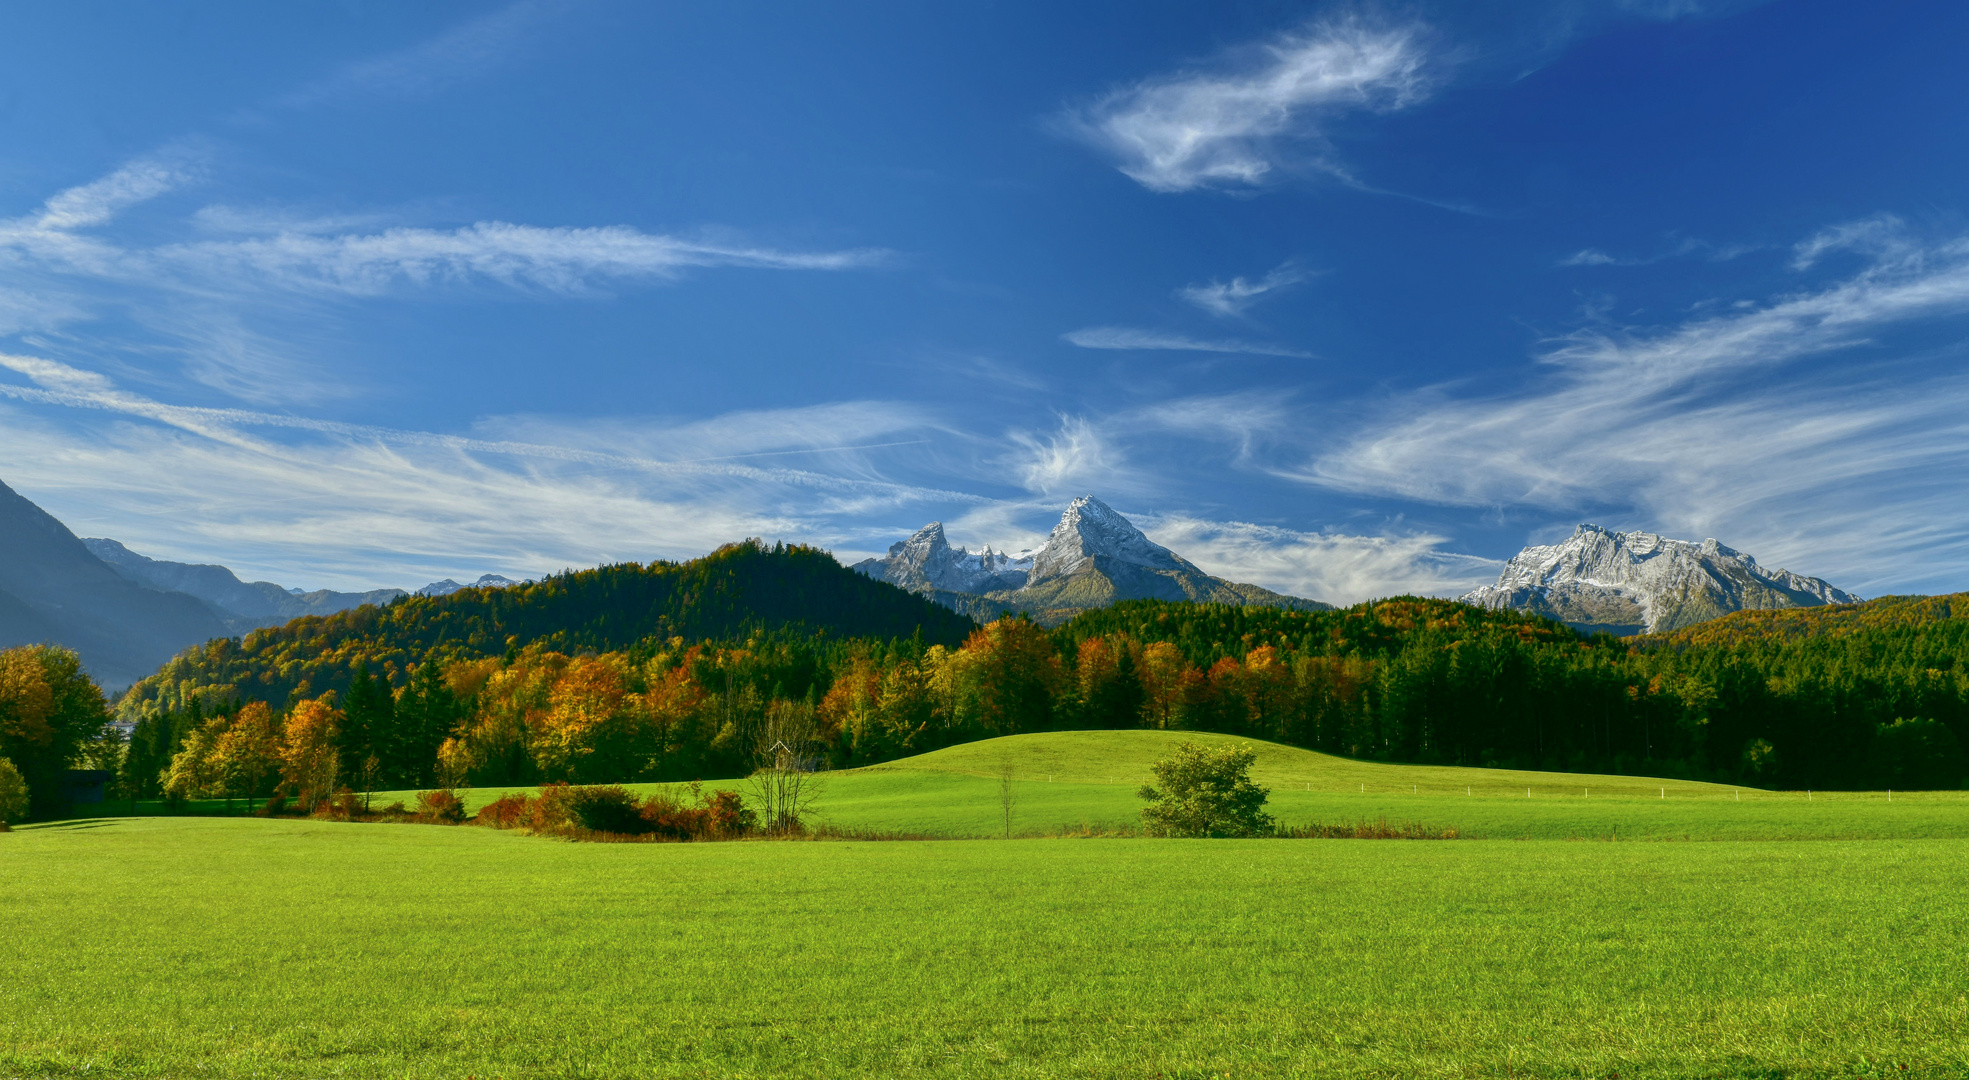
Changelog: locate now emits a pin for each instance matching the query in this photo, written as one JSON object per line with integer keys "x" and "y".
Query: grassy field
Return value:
{"x": 1086, "y": 781}
{"x": 213, "y": 947}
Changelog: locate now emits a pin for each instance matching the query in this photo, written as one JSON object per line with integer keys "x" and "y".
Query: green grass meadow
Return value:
{"x": 188, "y": 946}
{"x": 1082, "y": 781}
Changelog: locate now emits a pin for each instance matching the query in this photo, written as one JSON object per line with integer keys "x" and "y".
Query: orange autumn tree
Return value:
{"x": 1004, "y": 680}
{"x": 246, "y": 756}
{"x": 310, "y": 760}
{"x": 590, "y": 727}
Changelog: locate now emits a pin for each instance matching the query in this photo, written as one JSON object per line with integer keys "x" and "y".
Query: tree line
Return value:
{"x": 1408, "y": 679}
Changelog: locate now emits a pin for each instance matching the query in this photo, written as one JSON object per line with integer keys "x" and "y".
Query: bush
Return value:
{"x": 725, "y": 814}
{"x": 551, "y": 810}
{"x": 274, "y": 807}
{"x": 13, "y": 794}
{"x": 505, "y": 812}
{"x": 441, "y": 806}
{"x": 1206, "y": 793}
{"x": 610, "y": 809}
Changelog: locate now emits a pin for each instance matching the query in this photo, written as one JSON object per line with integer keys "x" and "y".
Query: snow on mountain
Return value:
{"x": 1640, "y": 582}
{"x": 927, "y": 561}
{"x": 1089, "y": 530}
{"x": 485, "y": 581}
{"x": 1093, "y": 557}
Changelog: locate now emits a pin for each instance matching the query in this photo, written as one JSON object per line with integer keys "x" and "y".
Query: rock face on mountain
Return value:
{"x": 1638, "y": 582}
{"x": 485, "y": 581}
{"x": 1093, "y": 558}
{"x": 53, "y": 589}
{"x": 242, "y": 606}
{"x": 927, "y": 562}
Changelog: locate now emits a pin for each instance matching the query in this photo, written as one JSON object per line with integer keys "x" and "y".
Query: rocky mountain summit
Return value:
{"x": 485, "y": 581}
{"x": 1093, "y": 558}
{"x": 927, "y": 562}
{"x": 1640, "y": 582}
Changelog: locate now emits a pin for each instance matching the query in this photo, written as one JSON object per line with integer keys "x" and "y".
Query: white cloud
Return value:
{"x": 456, "y": 54}
{"x": 1122, "y": 337}
{"x": 1235, "y": 296}
{"x": 1181, "y": 132}
{"x": 1787, "y": 429}
{"x": 305, "y": 501}
{"x": 216, "y": 303}
{"x": 1077, "y": 456}
{"x": 1591, "y": 257}
{"x": 564, "y": 260}
{"x": 1881, "y": 236}
{"x": 1335, "y": 567}
{"x": 98, "y": 202}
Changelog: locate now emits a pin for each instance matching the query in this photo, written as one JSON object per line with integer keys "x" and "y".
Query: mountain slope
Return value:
{"x": 243, "y": 606}
{"x": 52, "y": 589}
{"x": 1885, "y": 613}
{"x": 1639, "y": 582}
{"x": 733, "y": 592}
{"x": 1094, "y": 557}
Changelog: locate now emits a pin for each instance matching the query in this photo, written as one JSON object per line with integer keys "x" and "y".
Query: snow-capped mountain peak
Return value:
{"x": 1092, "y": 529}
{"x": 1637, "y": 582}
{"x": 485, "y": 581}
{"x": 927, "y": 561}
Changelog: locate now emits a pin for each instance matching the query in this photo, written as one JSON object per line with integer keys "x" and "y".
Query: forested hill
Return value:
{"x": 740, "y": 589}
{"x": 1207, "y": 633}
{"x": 1765, "y": 628}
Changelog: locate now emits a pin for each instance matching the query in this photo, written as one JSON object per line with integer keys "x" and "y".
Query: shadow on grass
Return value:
{"x": 70, "y": 823}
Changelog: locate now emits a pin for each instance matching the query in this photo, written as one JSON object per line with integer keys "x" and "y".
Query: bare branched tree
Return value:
{"x": 1008, "y": 790}
{"x": 786, "y": 745}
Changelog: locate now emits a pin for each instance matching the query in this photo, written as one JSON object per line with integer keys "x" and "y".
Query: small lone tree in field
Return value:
{"x": 1206, "y": 792}
{"x": 1008, "y": 790}
{"x": 786, "y": 741}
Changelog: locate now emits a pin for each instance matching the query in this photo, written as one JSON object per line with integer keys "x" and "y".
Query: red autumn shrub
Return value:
{"x": 721, "y": 814}
{"x": 551, "y": 810}
{"x": 505, "y": 812}
{"x": 441, "y": 806}
{"x": 725, "y": 814}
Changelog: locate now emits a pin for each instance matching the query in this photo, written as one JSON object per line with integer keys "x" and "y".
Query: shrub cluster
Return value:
{"x": 611, "y": 811}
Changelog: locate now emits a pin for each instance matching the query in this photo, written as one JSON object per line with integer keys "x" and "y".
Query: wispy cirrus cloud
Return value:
{"x": 1686, "y": 247}
{"x": 1237, "y": 126}
{"x": 309, "y": 501}
{"x": 1123, "y": 337}
{"x": 1234, "y": 297}
{"x": 1826, "y": 425}
{"x": 1339, "y": 568}
{"x": 209, "y": 299}
{"x": 466, "y": 50}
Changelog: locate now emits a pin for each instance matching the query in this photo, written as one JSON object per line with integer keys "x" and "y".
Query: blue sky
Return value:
{"x": 1342, "y": 300}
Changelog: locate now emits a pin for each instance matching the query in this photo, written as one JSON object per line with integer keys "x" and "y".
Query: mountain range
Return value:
{"x": 126, "y": 614}
{"x": 1640, "y": 582}
{"x": 53, "y": 589}
{"x": 1092, "y": 558}
{"x": 242, "y": 606}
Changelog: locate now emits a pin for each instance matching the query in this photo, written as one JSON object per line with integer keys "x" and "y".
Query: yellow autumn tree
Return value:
{"x": 310, "y": 757}
{"x": 246, "y": 755}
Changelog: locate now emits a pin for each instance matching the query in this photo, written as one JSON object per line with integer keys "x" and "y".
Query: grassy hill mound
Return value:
{"x": 737, "y": 590}
{"x": 1071, "y": 782}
